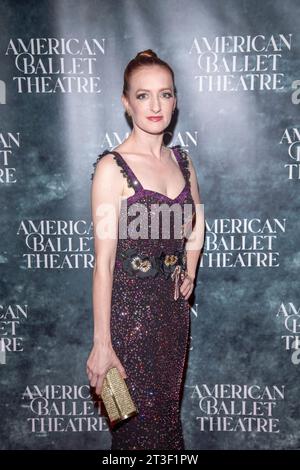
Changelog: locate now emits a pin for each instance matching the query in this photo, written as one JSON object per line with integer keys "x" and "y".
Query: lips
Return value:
{"x": 154, "y": 118}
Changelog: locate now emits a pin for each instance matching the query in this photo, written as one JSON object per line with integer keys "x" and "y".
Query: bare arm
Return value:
{"x": 195, "y": 239}
{"x": 107, "y": 188}
{"x": 105, "y": 193}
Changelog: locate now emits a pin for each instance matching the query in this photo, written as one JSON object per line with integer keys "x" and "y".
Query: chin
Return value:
{"x": 156, "y": 127}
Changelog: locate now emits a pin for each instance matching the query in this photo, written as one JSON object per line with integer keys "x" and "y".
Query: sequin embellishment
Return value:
{"x": 150, "y": 331}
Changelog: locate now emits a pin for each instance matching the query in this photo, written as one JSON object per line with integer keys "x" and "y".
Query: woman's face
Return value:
{"x": 151, "y": 93}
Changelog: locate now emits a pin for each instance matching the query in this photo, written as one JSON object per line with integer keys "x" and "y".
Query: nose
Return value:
{"x": 155, "y": 104}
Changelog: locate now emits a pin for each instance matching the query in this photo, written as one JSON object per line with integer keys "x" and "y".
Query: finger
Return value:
{"x": 90, "y": 375}
{"x": 185, "y": 287}
{"x": 122, "y": 372}
{"x": 187, "y": 281}
{"x": 187, "y": 292}
{"x": 93, "y": 380}
{"x": 187, "y": 296}
{"x": 99, "y": 385}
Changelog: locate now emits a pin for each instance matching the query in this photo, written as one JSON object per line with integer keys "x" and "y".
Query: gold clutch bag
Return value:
{"x": 116, "y": 397}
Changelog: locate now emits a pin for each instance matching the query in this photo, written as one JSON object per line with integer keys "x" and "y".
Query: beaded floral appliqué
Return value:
{"x": 140, "y": 265}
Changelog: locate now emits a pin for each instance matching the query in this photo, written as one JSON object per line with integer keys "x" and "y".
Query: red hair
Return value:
{"x": 147, "y": 57}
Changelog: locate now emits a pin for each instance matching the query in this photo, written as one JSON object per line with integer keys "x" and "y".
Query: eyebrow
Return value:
{"x": 144, "y": 89}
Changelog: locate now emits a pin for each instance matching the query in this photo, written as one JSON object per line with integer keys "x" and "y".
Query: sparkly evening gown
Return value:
{"x": 149, "y": 328}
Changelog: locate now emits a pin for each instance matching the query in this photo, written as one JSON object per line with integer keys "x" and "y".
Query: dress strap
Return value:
{"x": 183, "y": 162}
{"x": 132, "y": 180}
{"x": 125, "y": 169}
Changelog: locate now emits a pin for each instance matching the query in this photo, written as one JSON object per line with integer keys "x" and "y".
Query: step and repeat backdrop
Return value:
{"x": 237, "y": 73}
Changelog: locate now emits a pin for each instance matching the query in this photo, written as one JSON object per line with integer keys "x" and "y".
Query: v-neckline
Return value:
{"x": 151, "y": 191}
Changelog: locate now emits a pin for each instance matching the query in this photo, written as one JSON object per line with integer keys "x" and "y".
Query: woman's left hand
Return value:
{"x": 187, "y": 286}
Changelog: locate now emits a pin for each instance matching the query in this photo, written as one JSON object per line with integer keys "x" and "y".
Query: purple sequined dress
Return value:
{"x": 149, "y": 328}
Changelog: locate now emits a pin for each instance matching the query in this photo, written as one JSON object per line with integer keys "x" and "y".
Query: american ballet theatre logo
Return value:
{"x": 291, "y": 139}
{"x": 63, "y": 408}
{"x": 241, "y": 63}
{"x": 289, "y": 315}
{"x": 9, "y": 145}
{"x": 56, "y": 244}
{"x": 12, "y": 317}
{"x": 242, "y": 243}
{"x": 237, "y": 408}
{"x": 56, "y": 65}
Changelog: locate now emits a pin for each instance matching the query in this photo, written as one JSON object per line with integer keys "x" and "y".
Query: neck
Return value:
{"x": 147, "y": 144}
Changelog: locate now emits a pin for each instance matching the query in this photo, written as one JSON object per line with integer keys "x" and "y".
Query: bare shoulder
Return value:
{"x": 105, "y": 165}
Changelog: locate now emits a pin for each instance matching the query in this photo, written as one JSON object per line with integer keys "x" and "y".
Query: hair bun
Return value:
{"x": 144, "y": 59}
{"x": 146, "y": 53}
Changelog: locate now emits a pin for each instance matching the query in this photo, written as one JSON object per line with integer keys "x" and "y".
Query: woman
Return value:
{"x": 141, "y": 283}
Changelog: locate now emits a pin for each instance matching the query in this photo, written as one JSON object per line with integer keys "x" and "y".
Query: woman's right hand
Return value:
{"x": 101, "y": 359}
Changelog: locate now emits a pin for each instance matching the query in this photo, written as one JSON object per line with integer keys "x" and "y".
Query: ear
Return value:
{"x": 124, "y": 102}
{"x": 175, "y": 104}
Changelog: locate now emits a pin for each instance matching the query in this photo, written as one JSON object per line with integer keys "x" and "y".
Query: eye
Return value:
{"x": 166, "y": 94}
{"x": 169, "y": 95}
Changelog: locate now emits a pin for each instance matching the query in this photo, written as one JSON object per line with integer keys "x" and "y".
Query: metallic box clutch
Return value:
{"x": 116, "y": 397}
